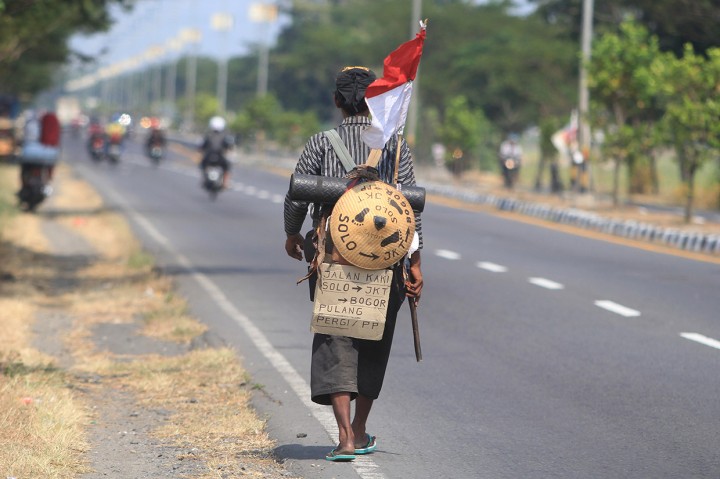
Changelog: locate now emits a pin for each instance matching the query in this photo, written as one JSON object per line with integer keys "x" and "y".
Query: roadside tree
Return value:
{"x": 467, "y": 135}
{"x": 623, "y": 104}
{"x": 690, "y": 90}
{"x": 34, "y": 37}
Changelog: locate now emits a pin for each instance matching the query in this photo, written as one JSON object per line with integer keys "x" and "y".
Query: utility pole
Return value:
{"x": 584, "y": 97}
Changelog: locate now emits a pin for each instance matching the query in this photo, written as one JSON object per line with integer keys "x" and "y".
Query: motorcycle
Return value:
{"x": 213, "y": 180}
{"x": 155, "y": 152}
{"x": 36, "y": 186}
{"x": 113, "y": 152}
{"x": 97, "y": 148}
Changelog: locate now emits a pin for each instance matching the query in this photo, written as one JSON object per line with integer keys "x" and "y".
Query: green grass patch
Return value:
{"x": 7, "y": 194}
{"x": 707, "y": 179}
{"x": 141, "y": 260}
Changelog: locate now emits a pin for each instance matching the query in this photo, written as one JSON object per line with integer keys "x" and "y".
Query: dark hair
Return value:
{"x": 350, "y": 86}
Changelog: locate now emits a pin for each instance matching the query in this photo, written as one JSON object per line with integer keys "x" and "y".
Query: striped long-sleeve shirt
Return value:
{"x": 319, "y": 158}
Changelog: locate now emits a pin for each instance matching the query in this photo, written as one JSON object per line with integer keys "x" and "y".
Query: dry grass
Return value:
{"x": 211, "y": 413}
{"x": 43, "y": 418}
{"x": 41, "y": 421}
{"x": 41, "y": 424}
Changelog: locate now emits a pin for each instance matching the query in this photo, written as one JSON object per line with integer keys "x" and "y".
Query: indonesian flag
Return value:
{"x": 389, "y": 97}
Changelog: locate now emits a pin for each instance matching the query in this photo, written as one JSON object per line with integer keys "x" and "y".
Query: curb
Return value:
{"x": 631, "y": 229}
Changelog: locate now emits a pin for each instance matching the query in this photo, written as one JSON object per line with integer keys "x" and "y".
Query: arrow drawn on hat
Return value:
{"x": 372, "y": 256}
{"x": 357, "y": 288}
{"x": 342, "y": 300}
{"x": 393, "y": 238}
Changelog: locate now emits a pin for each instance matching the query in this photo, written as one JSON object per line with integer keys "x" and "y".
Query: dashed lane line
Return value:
{"x": 546, "y": 283}
{"x": 447, "y": 254}
{"x": 617, "y": 308}
{"x": 699, "y": 338}
{"x": 239, "y": 187}
{"x": 492, "y": 267}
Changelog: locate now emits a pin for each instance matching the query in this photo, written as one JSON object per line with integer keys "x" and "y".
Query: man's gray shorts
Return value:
{"x": 357, "y": 366}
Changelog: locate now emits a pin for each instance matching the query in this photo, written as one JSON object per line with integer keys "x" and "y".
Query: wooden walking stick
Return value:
{"x": 412, "y": 302}
{"x": 416, "y": 332}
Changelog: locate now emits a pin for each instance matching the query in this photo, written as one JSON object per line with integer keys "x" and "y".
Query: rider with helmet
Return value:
{"x": 215, "y": 145}
{"x": 156, "y": 137}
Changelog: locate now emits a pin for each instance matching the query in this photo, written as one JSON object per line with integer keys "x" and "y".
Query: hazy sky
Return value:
{"x": 155, "y": 22}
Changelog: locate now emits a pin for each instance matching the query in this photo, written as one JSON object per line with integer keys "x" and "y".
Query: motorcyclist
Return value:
{"x": 510, "y": 156}
{"x": 156, "y": 137}
{"x": 41, "y": 143}
{"x": 96, "y": 133}
{"x": 215, "y": 145}
{"x": 115, "y": 132}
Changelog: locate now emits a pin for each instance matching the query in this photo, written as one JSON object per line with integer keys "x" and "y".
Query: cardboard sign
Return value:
{"x": 351, "y": 301}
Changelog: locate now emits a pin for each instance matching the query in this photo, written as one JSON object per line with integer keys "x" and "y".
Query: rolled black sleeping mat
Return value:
{"x": 326, "y": 189}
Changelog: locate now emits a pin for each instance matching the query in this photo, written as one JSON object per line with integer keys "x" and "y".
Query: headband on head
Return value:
{"x": 350, "y": 85}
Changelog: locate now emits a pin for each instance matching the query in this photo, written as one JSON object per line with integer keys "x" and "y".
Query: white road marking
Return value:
{"x": 263, "y": 195}
{"x": 250, "y": 190}
{"x": 365, "y": 467}
{"x": 545, "y": 283}
{"x": 278, "y": 199}
{"x": 713, "y": 343}
{"x": 617, "y": 308}
{"x": 492, "y": 267}
{"x": 451, "y": 255}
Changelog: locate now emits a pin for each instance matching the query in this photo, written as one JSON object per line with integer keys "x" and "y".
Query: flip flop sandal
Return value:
{"x": 369, "y": 447}
{"x": 338, "y": 456}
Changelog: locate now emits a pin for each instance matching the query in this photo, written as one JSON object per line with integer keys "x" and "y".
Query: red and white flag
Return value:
{"x": 389, "y": 97}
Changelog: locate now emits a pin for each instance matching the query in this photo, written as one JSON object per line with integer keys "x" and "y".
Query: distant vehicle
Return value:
{"x": 213, "y": 180}
{"x": 68, "y": 110}
{"x": 36, "y": 186}
{"x": 8, "y": 113}
{"x": 96, "y": 147}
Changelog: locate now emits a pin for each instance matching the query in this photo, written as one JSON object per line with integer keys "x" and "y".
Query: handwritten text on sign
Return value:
{"x": 351, "y": 301}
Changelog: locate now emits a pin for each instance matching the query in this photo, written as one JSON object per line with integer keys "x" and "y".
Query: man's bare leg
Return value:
{"x": 362, "y": 411}
{"x": 341, "y": 409}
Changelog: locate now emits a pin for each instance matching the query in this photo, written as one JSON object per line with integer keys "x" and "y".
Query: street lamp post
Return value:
{"x": 173, "y": 45}
{"x": 193, "y": 37}
{"x": 152, "y": 55}
{"x": 584, "y": 95}
{"x": 222, "y": 22}
{"x": 264, "y": 14}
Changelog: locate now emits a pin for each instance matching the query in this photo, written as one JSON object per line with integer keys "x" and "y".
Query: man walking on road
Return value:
{"x": 345, "y": 368}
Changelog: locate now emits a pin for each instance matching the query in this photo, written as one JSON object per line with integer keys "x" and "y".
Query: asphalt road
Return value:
{"x": 546, "y": 355}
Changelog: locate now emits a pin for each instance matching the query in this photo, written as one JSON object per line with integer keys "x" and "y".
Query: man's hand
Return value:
{"x": 294, "y": 246}
{"x": 414, "y": 284}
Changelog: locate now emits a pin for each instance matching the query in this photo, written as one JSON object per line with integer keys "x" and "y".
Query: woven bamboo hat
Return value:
{"x": 372, "y": 225}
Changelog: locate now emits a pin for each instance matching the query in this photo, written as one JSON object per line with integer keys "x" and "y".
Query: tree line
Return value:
{"x": 486, "y": 72}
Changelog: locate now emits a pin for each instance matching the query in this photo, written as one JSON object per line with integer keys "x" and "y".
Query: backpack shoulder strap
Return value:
{"x": 340, "y": 150}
